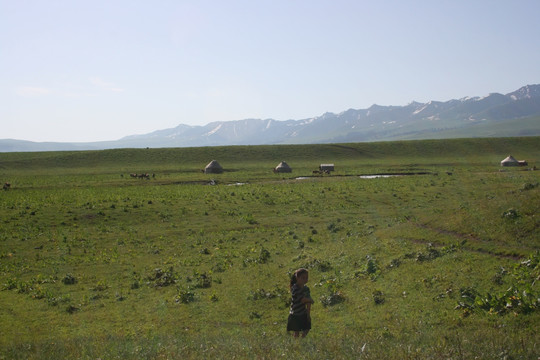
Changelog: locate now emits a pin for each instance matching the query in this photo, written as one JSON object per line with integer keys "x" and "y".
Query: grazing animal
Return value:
{"x": 143, "y": 176}
{"x": 6, "y": 186}
{"x": 133, "y": 175}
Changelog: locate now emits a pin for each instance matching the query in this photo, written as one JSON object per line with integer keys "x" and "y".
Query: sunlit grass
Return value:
{"x": 96, "y": 264}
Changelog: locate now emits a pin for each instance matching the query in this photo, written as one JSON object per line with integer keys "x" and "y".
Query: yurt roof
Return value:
{"x": 283, "y": 164}
{"x": 510, "y": 158}
{"x": 213, "y": 165}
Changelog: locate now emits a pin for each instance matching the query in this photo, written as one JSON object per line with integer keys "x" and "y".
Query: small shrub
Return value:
{"x": 264, "y": 256}
{"x": 69, "y": 279}
{"x": 10, "y": 284}
{"x": 499, "y": 276}
{"x": 378, "y": 297}
{"x": 250, "y": 219}
{"x": 100, "y": 286}
{"x": 332, "y": 299}
{"x": 512, "y": 300}
{"x": 520, "y": 298}
{"x": 432, "y": 253}
{"x": 510, "y": 214}
{"x": 371, "y": 265}
{"x": 529, "y": 186}
{"x": 254, "y": 315}
{"x": 162, "y": 278}
{"x": 333, "y": 228}
{"x": 219, "y": 267}
{"x": 203, "y": 280}
{"x": 262, "y": 294}
{"x": 71, "y": 309}
{"x": 394, "y": 263}
{"x": 320, "y": 265}
{"x": 55, "y": 300}
{"x": 333, "y": 293}
{"x": 185, "y": 297}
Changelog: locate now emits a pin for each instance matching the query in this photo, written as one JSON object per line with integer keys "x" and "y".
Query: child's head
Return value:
{"x": 300, "y": 276}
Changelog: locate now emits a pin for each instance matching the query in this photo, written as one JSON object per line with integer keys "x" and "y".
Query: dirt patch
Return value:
{"x": 464, "y": 239}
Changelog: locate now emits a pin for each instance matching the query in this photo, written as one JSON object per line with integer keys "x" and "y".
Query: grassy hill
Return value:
{"x": 181, "y": 159}
{"x": 440, "y": 263}
{"x": 488, "y": 129}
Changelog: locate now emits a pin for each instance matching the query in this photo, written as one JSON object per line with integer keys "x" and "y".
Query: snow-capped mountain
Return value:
{"x": 513, "y": 114}
{"x": 415, "y": 120}
{"x": 526, "y": 92}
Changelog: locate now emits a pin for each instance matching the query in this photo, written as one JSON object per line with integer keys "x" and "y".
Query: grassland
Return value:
{"x": 441, "y": 263}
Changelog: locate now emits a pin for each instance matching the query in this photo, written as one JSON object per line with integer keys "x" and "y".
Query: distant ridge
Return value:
{"x": 495, "y": 115}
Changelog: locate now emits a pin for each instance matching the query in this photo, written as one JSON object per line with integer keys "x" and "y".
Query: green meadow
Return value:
{"x": 438, "y": 261}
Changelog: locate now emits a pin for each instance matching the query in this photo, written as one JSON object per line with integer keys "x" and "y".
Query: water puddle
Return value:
{"x": 376, "y": 176}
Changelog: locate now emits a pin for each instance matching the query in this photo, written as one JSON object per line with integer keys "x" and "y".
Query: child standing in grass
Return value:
{"x": 299, "y": 313}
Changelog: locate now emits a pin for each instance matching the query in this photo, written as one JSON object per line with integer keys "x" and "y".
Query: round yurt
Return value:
{"x": 510, "y": 161}
{"x": 213, "y": 168}
{"x": 282, "y": 167}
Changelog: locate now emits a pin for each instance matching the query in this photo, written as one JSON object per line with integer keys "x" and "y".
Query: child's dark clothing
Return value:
{"x": 298, "y": 315}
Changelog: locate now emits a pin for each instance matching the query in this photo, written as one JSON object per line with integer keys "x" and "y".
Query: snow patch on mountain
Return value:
{"x": 418, "y": 111}
{"x": 213, "y": 131}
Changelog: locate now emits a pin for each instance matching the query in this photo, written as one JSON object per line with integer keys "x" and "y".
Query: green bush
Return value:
{"x": 69, "y": 279}
{"x": 161, "y": 278}
{"x": 185, "y": 297}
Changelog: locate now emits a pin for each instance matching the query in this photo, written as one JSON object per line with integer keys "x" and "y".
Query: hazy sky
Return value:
{"x": 77, "y": 70}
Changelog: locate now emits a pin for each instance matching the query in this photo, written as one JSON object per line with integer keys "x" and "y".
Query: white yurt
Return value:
{"x": 213, "y": 167}
{"x": 282, "y": 167}
{"x": 510, "y": 161}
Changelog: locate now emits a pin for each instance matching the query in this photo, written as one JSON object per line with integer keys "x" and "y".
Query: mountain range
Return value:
{"x": 496, "y": 115}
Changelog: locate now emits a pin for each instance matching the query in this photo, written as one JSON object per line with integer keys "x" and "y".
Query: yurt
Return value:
{"x": 282, "y": 167}
{"x": 510, "y": 161}
{"x": 213, "y": 168}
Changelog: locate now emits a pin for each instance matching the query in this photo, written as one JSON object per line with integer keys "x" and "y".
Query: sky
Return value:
{"x": 82, "y": 71}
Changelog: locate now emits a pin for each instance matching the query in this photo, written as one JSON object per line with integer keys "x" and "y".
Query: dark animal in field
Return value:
{"x": 6, "y": 186}
{"x": 141, "y": 176}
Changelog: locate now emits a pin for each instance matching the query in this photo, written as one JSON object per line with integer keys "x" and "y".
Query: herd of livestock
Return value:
{"x": 142, "y": 176}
